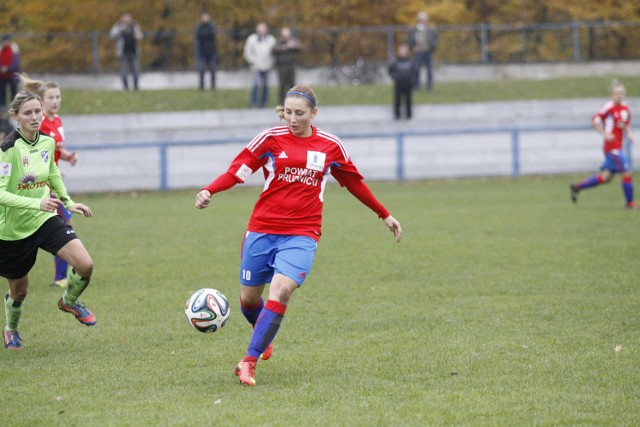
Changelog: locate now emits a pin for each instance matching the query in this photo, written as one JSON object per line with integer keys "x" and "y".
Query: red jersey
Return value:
{"x": 296, "y": 171}
{"x": 54, "y": 129}
{"x": 613, "y": 118}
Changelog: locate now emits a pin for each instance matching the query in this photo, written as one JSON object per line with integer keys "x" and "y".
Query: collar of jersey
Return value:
{"x": 25, "y": 139}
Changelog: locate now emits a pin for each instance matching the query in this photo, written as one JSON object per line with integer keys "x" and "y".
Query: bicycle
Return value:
{"x": 362, "y": 72}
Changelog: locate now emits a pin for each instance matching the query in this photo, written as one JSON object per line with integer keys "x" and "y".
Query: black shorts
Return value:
{"x": 17, "y": 257}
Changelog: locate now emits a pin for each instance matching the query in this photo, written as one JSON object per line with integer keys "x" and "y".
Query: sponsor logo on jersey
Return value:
{"x": 244, "y": 172}
{"x": 28, "y": 182}
{"x": 303, "y": 175}
{"x": 5, "y": 169}
{"x": 283, "y": 155}
{"x": 315, "y": 160}
{"x": 45, "y": 156}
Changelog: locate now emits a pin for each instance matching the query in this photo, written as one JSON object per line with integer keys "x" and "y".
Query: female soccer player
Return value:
{"x": 612, "y": 121}
{"x": 28, "y": 218}
{"x": 51, "y": 97}
{"x": 284, "y": 228}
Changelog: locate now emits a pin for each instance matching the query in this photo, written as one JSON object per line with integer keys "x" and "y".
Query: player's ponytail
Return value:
{"x": 36, "y": 86}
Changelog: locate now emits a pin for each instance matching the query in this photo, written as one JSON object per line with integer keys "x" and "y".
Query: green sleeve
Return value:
{"x": 55, "y": 181}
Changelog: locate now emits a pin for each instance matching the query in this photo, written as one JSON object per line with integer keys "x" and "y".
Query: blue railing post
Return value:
{"x": 94, "y": 52}
{"x": 515, "y": 153}
{"x": 484, "y": 42}
{"x": 400, "y": 156}
{"x": 390, "y": 44}
{"x": 575, "y": 36}
{"x": 163, "y": 168}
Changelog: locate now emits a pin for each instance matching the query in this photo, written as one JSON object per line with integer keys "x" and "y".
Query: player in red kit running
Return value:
{"x": 51, "y": 97}
{"x": 281, "y": 239}
{"x": 612, "y": 122}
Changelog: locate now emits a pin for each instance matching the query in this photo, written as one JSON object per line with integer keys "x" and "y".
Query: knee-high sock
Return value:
{"x": 75, "y": 286}
{"x": 60, "y": 268}
{"x": 251, "y": 312}
{"x": 12, "y": 311}
{"x": 627, "y": 188}
{"x": 592, "y": 181}
{"x": 266, "y": 327}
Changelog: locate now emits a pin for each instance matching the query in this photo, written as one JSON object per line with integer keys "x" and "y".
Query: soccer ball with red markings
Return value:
{"x": 207, "y": 310}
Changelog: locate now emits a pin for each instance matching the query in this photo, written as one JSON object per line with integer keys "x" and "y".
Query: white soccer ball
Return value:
{"x": 207, "y": 310}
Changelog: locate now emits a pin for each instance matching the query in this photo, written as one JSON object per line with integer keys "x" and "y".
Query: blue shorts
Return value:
{"x": 263, "y": 255}
{"x": 616, "y": 161}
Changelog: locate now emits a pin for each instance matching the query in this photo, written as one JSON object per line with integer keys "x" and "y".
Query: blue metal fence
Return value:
{"x": 510, "y": 140}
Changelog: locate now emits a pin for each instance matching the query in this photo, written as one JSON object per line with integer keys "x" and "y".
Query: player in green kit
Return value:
{"x": 28, "y": 219}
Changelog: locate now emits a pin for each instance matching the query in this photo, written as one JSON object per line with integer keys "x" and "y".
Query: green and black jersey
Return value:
{"x": 27, "y": 175}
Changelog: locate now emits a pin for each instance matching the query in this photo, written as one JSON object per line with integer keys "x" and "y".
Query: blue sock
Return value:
{"x": 251, "y": 313}
{"x": 589, "y": 182}
{"x": 61, "y": 268}
{"x": 266, "y": 327}
{"x": 627, "y": 189}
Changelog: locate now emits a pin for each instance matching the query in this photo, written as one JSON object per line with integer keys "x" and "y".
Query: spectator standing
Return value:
{"x": 128, "y": 34}
{"x": 423, "y": 41}
{"x": 7, "y": 65}
{"x": 286, "y": 53}
{"x": 15, "y": 68}
{"x": 403, "y": 72}
{"x": 258, "y": 52}
{"x": 206, "y": 49}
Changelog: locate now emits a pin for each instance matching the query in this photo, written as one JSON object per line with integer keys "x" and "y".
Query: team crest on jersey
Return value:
{"x": 315, "y": 160}
{"x": 45, "y": 156}
{"x": 5, "y": 169}
{"x": 25, "y": 160}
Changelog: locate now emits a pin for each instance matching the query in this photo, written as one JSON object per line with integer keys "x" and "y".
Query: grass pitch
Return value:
{"x": 78, "y": 101}
{"x": 503, "y": 305}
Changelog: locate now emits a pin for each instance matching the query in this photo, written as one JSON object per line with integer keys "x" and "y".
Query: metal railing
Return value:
{"x": 406, "y": 156}
{"x": 93, "y": 51}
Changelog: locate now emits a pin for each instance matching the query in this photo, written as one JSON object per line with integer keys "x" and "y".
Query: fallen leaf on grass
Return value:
{"x": 618, "y": 349}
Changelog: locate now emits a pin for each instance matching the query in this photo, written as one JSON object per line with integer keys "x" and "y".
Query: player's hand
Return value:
{"x": 73, "y": 158}
{"x": 202, "y": 199}
{"x": 49, "y": 204}
{"x": 79, "y": 208}
{"x": 394, "y": 227}
{"x": 609, "y": 137}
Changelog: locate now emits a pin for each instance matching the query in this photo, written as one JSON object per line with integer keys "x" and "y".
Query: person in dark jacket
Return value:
{"x": 403, "y": 71}
{"x": 206, "y": 49}
{"x": 423, "y": 41}
{"x": 286, "y": 53}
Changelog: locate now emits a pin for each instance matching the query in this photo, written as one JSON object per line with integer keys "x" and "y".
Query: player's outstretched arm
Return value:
{"x": 394, "y": 227}
{"x": 202, "y": 199}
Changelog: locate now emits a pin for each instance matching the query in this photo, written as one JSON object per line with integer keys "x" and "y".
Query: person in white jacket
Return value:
{"x": 258, "y": 53}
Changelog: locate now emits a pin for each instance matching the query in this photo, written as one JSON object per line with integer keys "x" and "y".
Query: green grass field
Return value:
{"x": 504, "y": 305}
{"x": 109, "y": 102}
